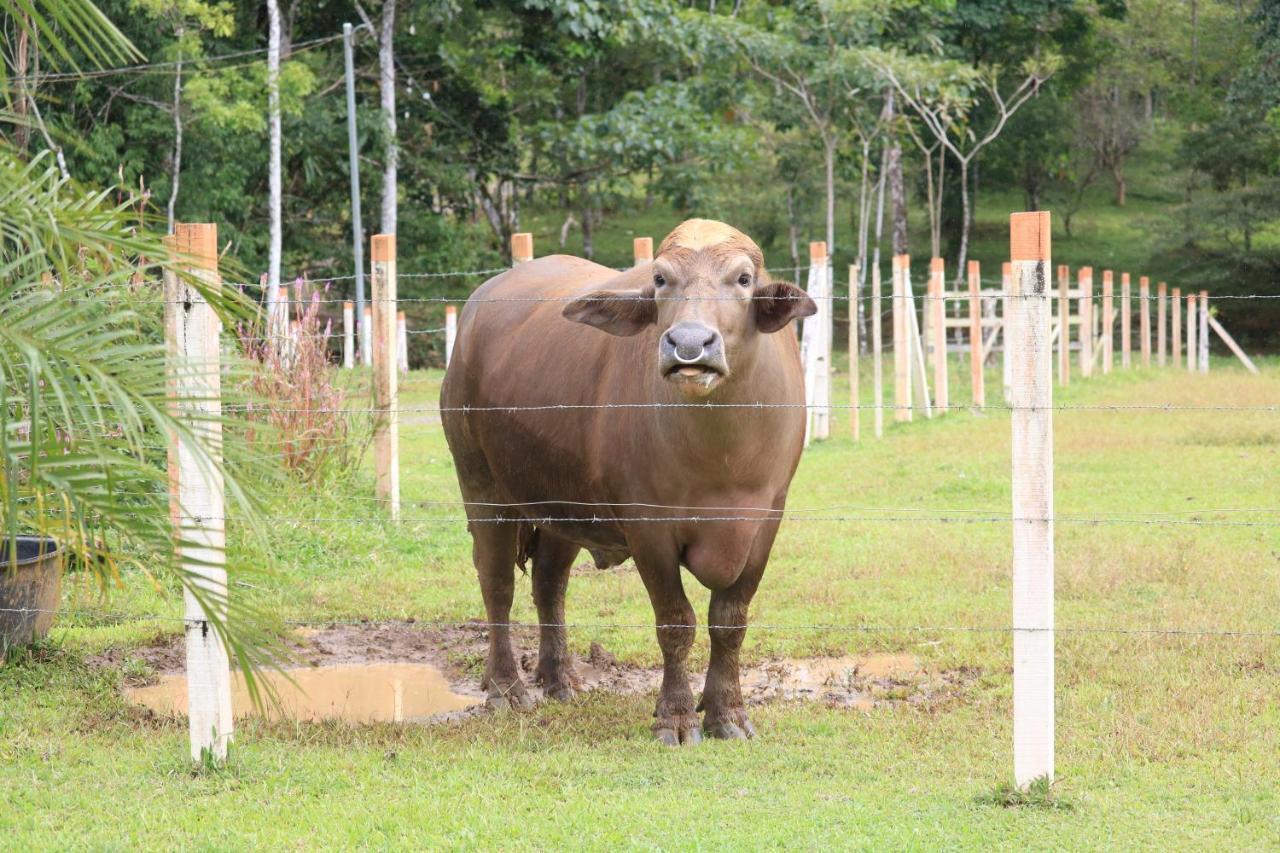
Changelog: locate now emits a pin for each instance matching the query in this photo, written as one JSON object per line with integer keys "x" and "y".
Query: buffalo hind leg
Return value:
{"x": 675, "y": 720}
{"x": 552, "y": 560}
{"x": 493, "y": 548}
{"x": 726, "y": 717}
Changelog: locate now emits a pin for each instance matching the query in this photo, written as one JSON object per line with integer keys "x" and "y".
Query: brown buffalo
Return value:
{"x": 587, "y": 408}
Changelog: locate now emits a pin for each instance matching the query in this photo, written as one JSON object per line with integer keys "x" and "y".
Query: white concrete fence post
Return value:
{"x": 450, "y": 332}
{"x": 348, "y": 335}
{"x": 366, "y": 324}
{"x": 402, "y": 343}
{"x": 817, "y": 336}
{"x": 386, "y": 425}
{"x": 1032, "y": 417}
{"x": 877, "y": 351}
{"x": 642, "y": 250}
{"x": 1203, "y": 338}
{"x": 192, "y": 334}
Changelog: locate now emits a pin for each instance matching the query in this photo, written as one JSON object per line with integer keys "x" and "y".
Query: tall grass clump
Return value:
{"x": 294, "y": 400}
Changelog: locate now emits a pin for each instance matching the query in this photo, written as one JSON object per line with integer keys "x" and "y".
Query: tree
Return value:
{"x": 814, "y": 53}
{"x": 943, "y": 96}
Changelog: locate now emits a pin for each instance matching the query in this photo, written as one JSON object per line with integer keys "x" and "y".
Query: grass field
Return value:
{"x": 1164, "y": 740}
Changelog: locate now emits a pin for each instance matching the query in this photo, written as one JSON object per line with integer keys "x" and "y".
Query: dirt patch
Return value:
{"x": 452, "y": 658}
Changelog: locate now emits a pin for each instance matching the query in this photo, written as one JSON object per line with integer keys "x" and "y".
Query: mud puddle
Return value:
{"x": 358, "y": 693}
{"x": 397, "y": 671}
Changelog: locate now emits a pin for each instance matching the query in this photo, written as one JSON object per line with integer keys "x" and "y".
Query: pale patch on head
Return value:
{"x": 723, "y": 241}
{"x": 700, "y": 233}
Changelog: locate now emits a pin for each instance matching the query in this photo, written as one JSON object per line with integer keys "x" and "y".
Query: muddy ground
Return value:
{"x": 859, "y": 682}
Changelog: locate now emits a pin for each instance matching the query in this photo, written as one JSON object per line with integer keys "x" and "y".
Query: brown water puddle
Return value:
{"x": 396, "y": 671}
{"x": 361, "y": 693}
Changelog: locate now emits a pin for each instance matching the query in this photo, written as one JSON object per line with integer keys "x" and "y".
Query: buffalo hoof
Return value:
{"x": 560, "y": 693}
{"x": 514, "y": 698}
{"x": 680, "y": 730}
{"x": 730, "y": 729}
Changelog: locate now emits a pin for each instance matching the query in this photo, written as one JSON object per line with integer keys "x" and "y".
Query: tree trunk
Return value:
{"x": 793, "y": 241}
{"x": 1117, "y": 175}
{"x": 387, "y": 90}
{"x": 929, "y": 197}
{"x": 875, "y": 252}
{"x": 21, "y": 134}
{"x": 588, "y": 225}
{"x": 829, "y": 161}
{"x": 964, "y": 220}
{"x": 897, "y": 191}
{"x": 175, "y": 168}
{"x": 864, "y": 227}
{"x": 273, "y": 179}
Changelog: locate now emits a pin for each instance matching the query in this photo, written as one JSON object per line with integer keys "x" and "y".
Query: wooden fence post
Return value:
{"x": 1162, "y": 322}
{"x": 1144, "y": 321}
{"x": 386, "y": 425}
{"x": 641, "y": 250}
{"x": 855, "y": 414}
{"x": 1202, "y": 304}
{"x": 918, "y": 370}
{"x": 348, "y": 335}
{"x": 1175, "y": 332}
{"x": 1126, "y": 321}
{"x": 1064, "y": 325}
{"x": 521, "y": 247}
{"x": 902, "y": 409}
{"x": 1033, "y": 634}
{"x": 1085, "y": 280}
{"x": 450, "y": 332}
{"x": 1108, "y": 321}
{"x": 1007, "y": 318}
{"x": 977, "y": 385}
{"x": 192, "y": 330}
{"x": 937, "y": 309}
{"x": 877, "y": 349}
{"x": 1193, "y": 351}
{"x": 1233, "y": 346}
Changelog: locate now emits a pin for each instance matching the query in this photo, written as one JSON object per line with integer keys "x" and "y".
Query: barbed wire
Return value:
{"x": 833, "y": 627}
{"x": 1067, "y": 407}
{"x": 190, "y": 65}
{"x": 994, "y": 518}
{"x": 589, "y": 297}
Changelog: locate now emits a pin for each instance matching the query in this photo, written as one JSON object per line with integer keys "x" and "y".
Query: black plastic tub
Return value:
{"x": 28, "y": 591}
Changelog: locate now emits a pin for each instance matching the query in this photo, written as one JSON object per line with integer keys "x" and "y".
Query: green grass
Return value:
{"x": 1163, "y": 741}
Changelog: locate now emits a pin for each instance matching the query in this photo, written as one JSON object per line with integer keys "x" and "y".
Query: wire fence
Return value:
{"x": 120, "y": 617}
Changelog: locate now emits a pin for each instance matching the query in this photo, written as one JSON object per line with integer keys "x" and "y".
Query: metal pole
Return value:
{"x": 357, "y": 230}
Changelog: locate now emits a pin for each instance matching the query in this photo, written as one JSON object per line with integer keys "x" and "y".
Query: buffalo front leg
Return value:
{"x": 551, "y": 563}
{"x": 675, "y": 720}
{"x": 493, "y": 548}
{"x": 722, "y": 694}
{"x": 726, "y": 717}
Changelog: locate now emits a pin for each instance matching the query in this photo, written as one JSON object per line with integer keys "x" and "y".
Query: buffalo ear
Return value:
{"x": 779, "y": 303}
{"x": 619, "y": 312}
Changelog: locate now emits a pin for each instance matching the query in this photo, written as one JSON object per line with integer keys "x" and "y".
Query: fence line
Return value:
{"x": 1024, "y": 326}
{"x": 549, "y": 407}
{"x": 863, "y": 628}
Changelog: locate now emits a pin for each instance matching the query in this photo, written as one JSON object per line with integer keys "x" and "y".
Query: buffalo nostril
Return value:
{"x": 689, "y": 353}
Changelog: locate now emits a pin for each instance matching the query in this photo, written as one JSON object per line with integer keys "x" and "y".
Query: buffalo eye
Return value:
{"x": 659, "y": 281}
{"x": 744, "y": 280}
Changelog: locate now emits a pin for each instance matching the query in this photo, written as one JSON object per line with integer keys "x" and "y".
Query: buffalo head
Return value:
{"x": 706, "y": 296}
